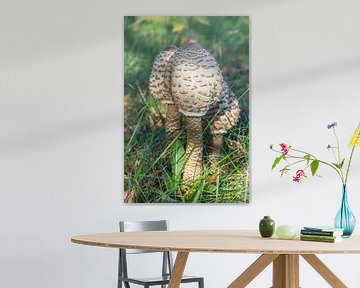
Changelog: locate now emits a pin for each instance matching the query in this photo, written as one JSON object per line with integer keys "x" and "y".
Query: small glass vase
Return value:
{"x": 345, "y": 219}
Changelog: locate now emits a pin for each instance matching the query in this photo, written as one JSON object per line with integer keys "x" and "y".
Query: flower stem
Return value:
{"x": 350, "y": 159}
{"x": 337, "y": 145}
{"x": 296, "y": 162}
{"x": 338, "y": 171}
{"x": 348, "y": 167}
{"x": 312, "y": 159}
{"x": 300, "y": 151}
{"x": 320, "y": 161}
{"x": 339, "y": 156}
{"x": 333, "y": 152}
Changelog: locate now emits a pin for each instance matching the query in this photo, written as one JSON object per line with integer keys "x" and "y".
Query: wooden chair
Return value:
{"x": 167, "y": 263}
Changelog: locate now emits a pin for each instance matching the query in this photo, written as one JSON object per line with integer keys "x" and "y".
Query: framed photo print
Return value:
{"x": 186, "y": 106}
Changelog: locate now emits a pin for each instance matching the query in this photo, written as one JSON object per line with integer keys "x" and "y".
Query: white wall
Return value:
{"x": 61, "y": 133}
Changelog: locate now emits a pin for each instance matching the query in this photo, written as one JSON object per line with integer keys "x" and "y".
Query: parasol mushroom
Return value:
{"x": 196, "y": 86}
{"x": 159, "y": 86}
{"x": 188, "y": 79}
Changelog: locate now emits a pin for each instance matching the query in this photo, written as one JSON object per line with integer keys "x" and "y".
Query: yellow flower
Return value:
{"x": 355, "y": 138}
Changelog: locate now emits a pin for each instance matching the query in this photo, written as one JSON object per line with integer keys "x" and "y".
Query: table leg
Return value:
{"x": 253, "y": 270}
{"x": 178, "y": 269}
{"x": 286, "y": 271}
{"x": 324, "y": 271}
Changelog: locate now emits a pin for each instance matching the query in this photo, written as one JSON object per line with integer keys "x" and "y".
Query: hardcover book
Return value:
{"x": 321, "y": 233}
{"x": 325, "y": 240}
{"x": 320, "y": 237}
{"x": 323, "y": 228}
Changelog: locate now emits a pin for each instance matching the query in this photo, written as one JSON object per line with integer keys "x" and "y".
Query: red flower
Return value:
{"x": 284, "y": 148}
{"x": 299, "y": 175}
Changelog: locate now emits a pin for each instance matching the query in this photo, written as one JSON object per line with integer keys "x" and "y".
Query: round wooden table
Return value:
{"x": 284, "y": 254}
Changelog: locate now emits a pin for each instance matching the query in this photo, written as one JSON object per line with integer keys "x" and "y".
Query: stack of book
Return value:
{"x": 321, "y": 234}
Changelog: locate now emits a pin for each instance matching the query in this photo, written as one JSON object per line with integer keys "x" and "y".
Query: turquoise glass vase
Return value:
{"x": 345, "y": 219}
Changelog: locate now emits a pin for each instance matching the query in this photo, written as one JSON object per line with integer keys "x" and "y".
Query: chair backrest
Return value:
{"x": 134, "y": 226}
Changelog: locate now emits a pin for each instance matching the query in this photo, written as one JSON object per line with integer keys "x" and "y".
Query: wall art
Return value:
{"x": 186, "y": 109}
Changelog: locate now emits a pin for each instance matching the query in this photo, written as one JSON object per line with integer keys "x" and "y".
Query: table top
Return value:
{"x": 217, "y": 241}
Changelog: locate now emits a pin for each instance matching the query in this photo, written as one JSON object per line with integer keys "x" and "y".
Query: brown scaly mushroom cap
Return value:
{"x": 159, "y": 86}
{"x": 196, "y": 85}
{"x": 222, "y": 118}
{"x": 226, "y": 113}
{"x": 196, "y": 79}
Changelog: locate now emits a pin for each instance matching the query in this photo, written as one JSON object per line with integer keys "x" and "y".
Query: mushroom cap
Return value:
{"x": 159, "y": 85}
{"x": 196, "y": 80}
{"x": 226, "y": 113}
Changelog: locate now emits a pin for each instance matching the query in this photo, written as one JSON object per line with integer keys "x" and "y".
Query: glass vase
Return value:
{"x": 345, "y": 219}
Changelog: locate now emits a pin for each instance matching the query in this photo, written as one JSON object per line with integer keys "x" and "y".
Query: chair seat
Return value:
{"x": 158, "y": 280}
{"x": 167, "y": 262}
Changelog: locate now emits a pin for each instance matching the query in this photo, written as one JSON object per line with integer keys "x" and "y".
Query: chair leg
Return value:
{"x": 126, "y": 284}
{"x": 201, "y": 283}
{"x": 120, "y": 273}
{"x": 165, "y": 266}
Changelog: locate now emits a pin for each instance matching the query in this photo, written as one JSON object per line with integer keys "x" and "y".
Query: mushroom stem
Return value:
{"x": 173, "y": 122}
{"x": 194, "y": 149}
{"x": 215, "y": 148}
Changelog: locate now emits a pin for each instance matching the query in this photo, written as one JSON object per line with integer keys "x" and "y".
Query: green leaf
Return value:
{"x": 336, "y": 165}
{"x": 202, "y": 20}
{"x": 284, "y": 170}
{"x": 342, "y": 163}
{"x": 178, "y": 158}
{"x": 178, "y": 27}
{"x": 339, "y": 166}
{"x": 168, "y": 180}
{"x": 307, "y": 157}
{"x": 314, "y": 166}
{"x": 276, "y": 161}
{"x": 271, "y": 146}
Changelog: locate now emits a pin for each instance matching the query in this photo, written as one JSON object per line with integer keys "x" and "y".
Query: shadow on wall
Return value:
{"x": 310, "y": 74}
{"x": 68, "y": 130}
{"x": 41, "y": 27}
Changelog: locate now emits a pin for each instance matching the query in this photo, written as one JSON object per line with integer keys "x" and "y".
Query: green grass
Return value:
{"x": 153, "y": 168}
